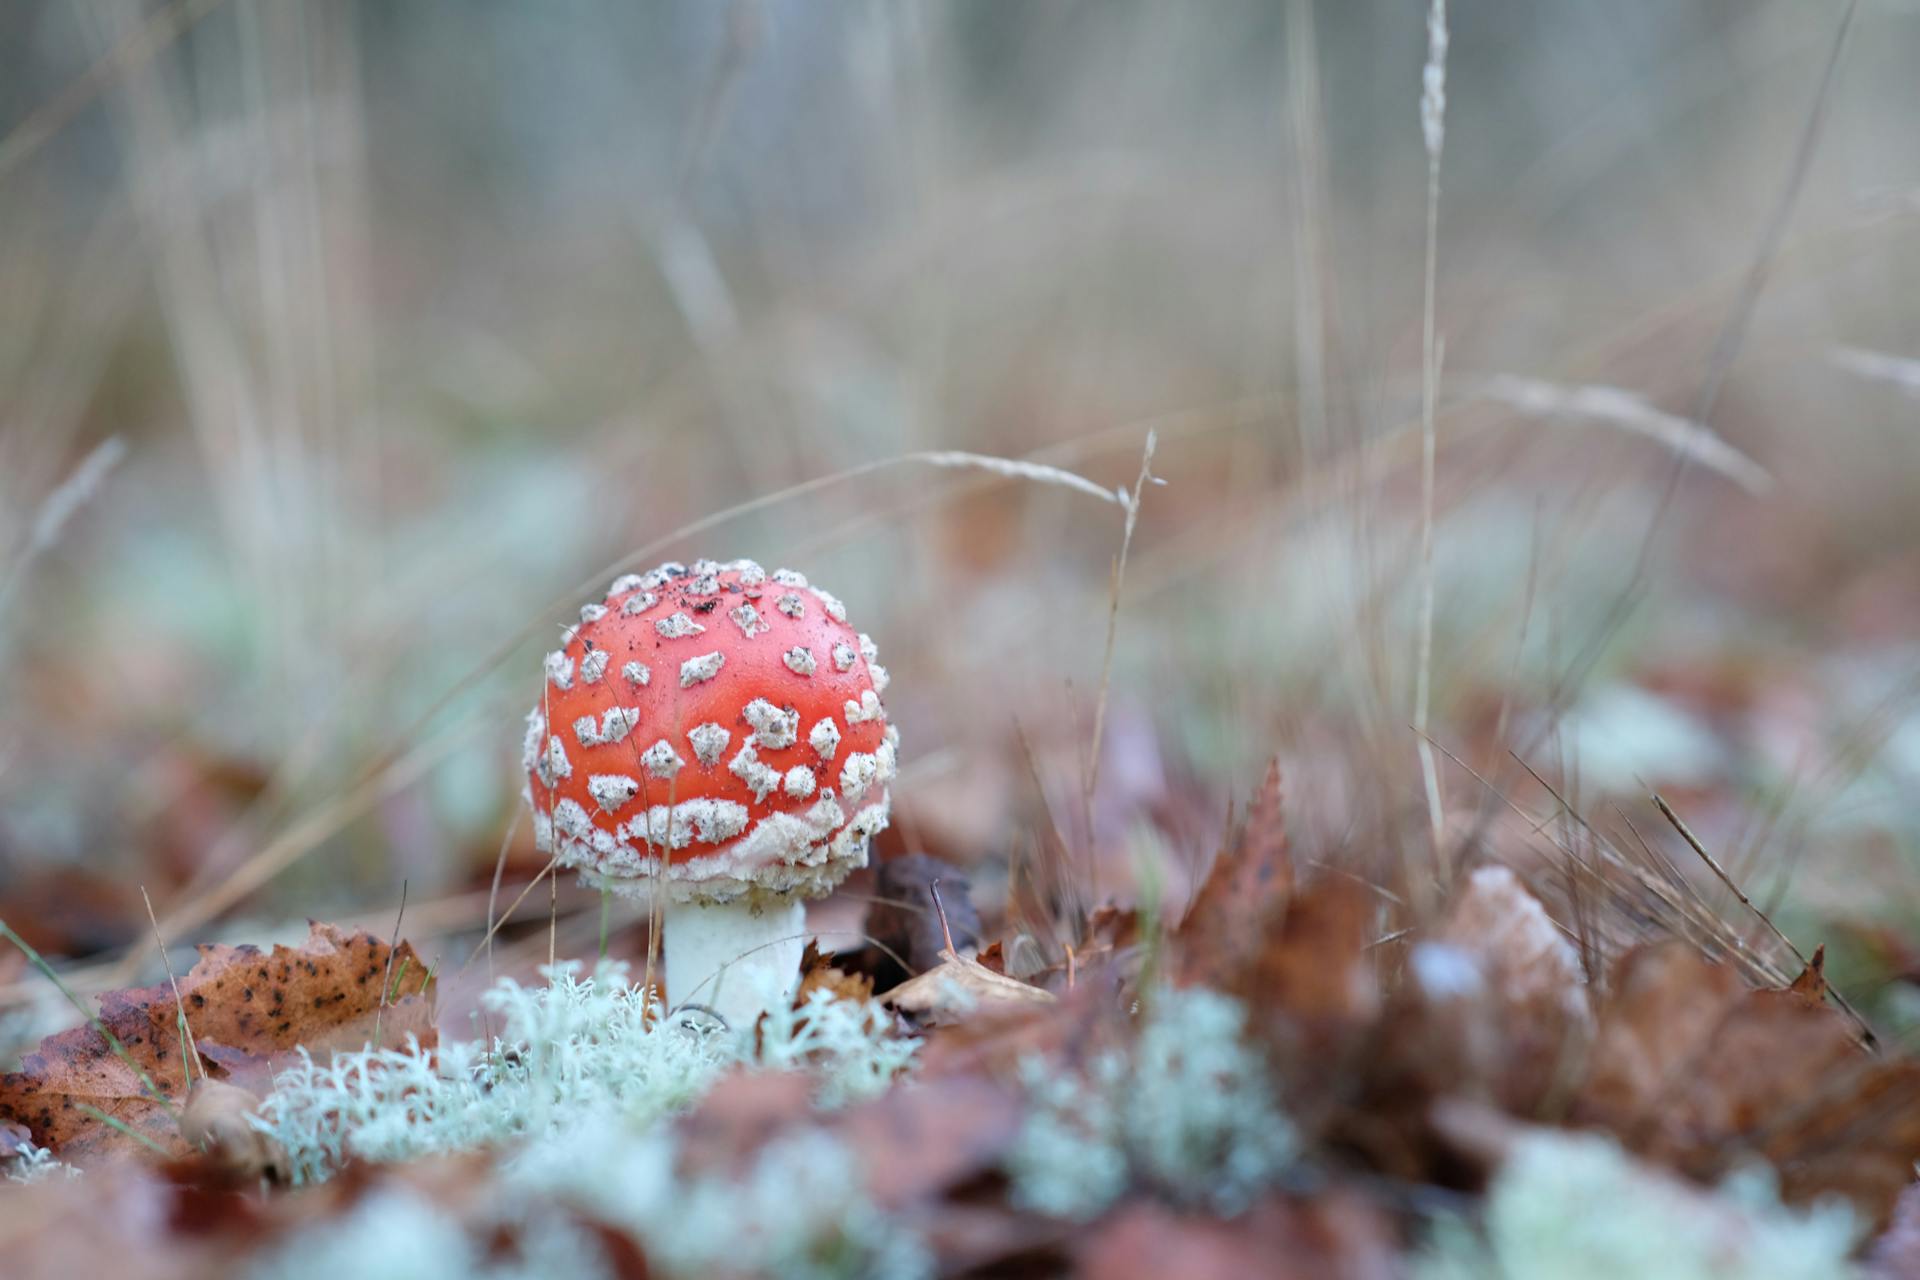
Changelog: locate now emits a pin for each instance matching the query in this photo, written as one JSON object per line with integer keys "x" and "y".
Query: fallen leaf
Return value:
{"x": 1336, "y": 1234}
{"x": 1692, "y": 1070}
{"x": 1245, "y": 891}
{"x": 737, "y": 1116}
{"x": 1313, "y": 971}
{"x": 956, "y": 987}
{"x": 1811, "y": 985}
{"x": 817, "y": 973}
{"x": 921, "y": 1138}
{"x": 1532, "y": 991}
{"x": 246, "y": 1009}
{"x": 1665, "y": 1003}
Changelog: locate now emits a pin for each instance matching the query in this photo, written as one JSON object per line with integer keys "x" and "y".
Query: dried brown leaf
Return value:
{"x": 247, "y": 1009}
{"x": 1336, "y": 1234}
{"x": 1694, "y": 1071}
{"x": 918, "y": 1141}
{"x": 1528, "y": 1010}
{"x": 959, "y": 986}
{"x": 1313, "y": 970}
{"x": 817, "y": 973}
{"x": 1811, "y": 985}
{"x": 1665, "y": 1004}
{"x": 1245, "y": 891}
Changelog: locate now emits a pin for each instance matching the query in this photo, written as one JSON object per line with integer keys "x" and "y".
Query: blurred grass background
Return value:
{"x": 397, "y": 320}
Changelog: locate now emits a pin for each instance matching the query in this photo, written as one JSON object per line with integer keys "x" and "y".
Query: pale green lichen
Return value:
{"x": 1576, "y": 1207}
{"x": 577, "y": 1079}
{"x": 1191, "y": 1111}
{"x": 578, "y": 1049}
{"x": 799, "y": 1211}
{"x": 35, "y": 1164}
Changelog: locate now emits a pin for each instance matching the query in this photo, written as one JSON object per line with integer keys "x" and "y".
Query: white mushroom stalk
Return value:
{"x": 732, "y": 959}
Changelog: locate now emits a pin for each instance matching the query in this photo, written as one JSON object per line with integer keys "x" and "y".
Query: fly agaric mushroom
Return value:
{"x": 713, "y": 732}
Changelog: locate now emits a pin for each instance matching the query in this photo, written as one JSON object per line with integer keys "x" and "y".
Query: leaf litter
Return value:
{"x": 1297, "y": 1073}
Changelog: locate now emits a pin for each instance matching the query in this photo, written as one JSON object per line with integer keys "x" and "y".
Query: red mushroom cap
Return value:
{"x": 717, "y": 727}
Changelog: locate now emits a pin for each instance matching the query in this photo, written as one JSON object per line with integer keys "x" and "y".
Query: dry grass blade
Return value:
{"x": 189, "y": 1051}
{"x": 1693, "y": 842}
{"x": 1433, "y": 118}
{"x": 1616, "y": 407}
{"x": 1113, "y": 627}
{"x": 59, "y": 507}
{"x": 1902, "y": 371}
{"x": 159, "y": 31}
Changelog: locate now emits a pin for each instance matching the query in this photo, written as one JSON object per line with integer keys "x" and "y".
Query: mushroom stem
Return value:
{"x": 734, "y": 958}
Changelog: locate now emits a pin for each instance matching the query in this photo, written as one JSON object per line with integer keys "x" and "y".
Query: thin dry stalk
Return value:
{"x": 1113, "y": 625}
{"x": 1433, "y": 114}
{"x": 386, "y": 978}
{"x": 1693, "y": 842}
{"x": 191, "y": 1059}
{"x": 159, "y": 31}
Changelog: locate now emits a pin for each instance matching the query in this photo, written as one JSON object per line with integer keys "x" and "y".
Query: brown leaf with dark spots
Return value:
{"x": 1858, "y": 1137}
{"x": 1246, "y": 889}
{"x": 240, "y": 1002}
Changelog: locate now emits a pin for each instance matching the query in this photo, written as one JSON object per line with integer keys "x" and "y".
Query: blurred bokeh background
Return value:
{"x": 340, "y": 343}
